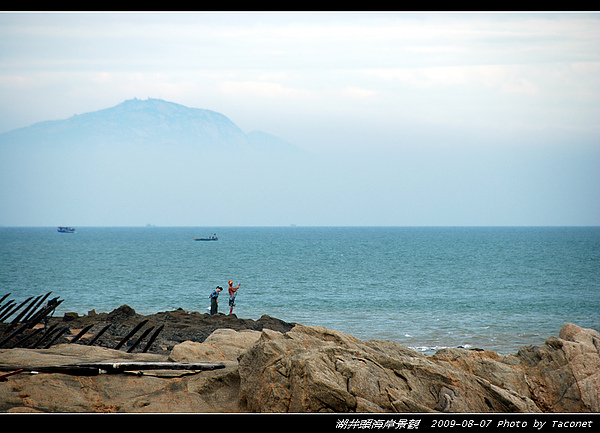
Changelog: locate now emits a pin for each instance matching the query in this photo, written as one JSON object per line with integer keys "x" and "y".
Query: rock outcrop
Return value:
{"x": 178, "y": 326}
{"x": 318, "y": 370}
{"x": 313, "y": 369}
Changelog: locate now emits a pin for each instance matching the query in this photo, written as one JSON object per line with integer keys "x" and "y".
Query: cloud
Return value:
{"x": 102, "y": 77}
{"x": 358, "y": 93}
{"x": 263, "y": 90}
{"x": 12, "y": 81}
{"x": 509, "y": 79}
{"x": 337, "y": 83}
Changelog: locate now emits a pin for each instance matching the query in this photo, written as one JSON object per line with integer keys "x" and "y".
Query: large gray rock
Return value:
{"x": 153, "y": 391}
{"x": 564, "y": 373}
{"x": 312, "y": 369}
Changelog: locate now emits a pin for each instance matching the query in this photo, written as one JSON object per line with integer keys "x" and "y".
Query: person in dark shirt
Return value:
{"x": 214, "y": 300}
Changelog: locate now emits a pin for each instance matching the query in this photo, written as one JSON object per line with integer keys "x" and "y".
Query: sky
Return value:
{"x": 416, "y": 118}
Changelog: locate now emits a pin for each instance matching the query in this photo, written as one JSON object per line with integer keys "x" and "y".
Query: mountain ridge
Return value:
{"x": 145, "y": 122}
{"x": 148, "y": 160}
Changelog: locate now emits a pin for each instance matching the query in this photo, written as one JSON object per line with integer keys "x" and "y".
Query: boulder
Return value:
{"x": 313, "y": 369}
{"x": 582, "y": 347}
{"x": 563, "y": 374}
{"x": 207, "y": 391}
{"x": 222, "y": 345}
{"x": 27, "y": 392}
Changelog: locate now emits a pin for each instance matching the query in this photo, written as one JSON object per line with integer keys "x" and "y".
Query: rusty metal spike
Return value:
{"x": 128, "y": 336}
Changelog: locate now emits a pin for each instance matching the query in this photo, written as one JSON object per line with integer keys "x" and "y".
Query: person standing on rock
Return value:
{"x": 232, "y": 294}
{"x": 214, "y": 300}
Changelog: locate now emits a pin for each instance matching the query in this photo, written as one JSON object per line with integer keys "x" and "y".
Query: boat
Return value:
{"x": 210, "y": 238}
{"x": 66, "y": 229}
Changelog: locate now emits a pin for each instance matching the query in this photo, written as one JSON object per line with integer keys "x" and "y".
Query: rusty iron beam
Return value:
{"x": 95, "y": 368}
{"x": 131, "y": 334}
{"x": 32, "y": 312}
{"x": 102, "y": 331}
{"x": 56, "y": 337}
{"x": 47, "y": 334}
{"x": 152, "y": 338}
{"x": 81, "y": 334}
{"x": 14, "y": 310}
{"x": 4, "y": 376}
{"x": 76, "y": 370}
{"x": 24, "y": 339}
{"x": 135, "y": 344}
{"x": 49, "y": 308}
{"x": 18, "y": 318}
{"x": 6, "y": 310}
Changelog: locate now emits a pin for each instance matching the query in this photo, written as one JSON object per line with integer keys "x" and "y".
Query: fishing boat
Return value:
{"x": 210, "y": 238}
{"x": 66, "y": 229}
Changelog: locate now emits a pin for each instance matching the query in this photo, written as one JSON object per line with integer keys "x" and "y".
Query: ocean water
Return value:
{"x": 427, "y": 288}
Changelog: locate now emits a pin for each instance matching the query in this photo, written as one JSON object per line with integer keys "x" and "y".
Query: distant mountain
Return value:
{"x": 144, "y": 122}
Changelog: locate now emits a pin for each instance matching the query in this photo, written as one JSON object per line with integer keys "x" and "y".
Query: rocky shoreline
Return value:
{"x": 269, "y": 365}
{"x": 175, "y": 326}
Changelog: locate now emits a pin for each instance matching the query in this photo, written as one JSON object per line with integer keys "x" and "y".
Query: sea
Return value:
{"x": 493, "y": 288}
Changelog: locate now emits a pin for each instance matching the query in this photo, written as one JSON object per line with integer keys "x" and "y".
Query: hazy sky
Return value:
{"x": 459, "y": 118}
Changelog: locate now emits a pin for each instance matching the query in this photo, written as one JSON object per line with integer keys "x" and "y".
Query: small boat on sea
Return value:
{"x": 66, "y": 229}
{"x": 210, "y": 238}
